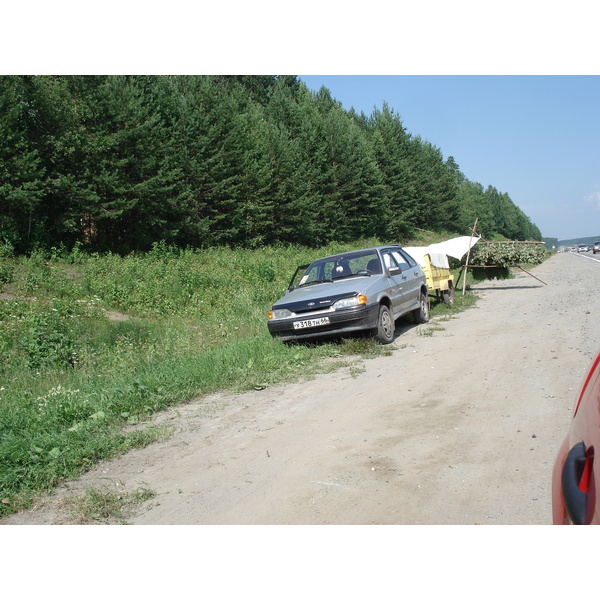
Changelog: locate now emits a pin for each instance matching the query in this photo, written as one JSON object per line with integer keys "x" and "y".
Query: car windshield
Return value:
{"x": 351, "y": 264}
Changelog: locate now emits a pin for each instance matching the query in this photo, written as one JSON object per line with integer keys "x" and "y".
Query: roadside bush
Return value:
{"x": 508, "y": 254}
{"x": 7, "y": 271}
{"x": 48, "y": 343}
{"x": 7, "y": 267}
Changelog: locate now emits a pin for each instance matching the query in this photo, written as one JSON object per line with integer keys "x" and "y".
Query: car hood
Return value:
{"x": 324, "y": 294}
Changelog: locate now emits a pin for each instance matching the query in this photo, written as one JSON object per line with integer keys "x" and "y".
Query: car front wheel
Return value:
{"x": 384, "y": 333}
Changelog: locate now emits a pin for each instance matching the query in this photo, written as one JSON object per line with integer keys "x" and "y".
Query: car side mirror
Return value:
{"x": 394, "y": 270}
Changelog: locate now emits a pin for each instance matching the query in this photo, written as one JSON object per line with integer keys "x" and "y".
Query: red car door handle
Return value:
{"x": 574, "y": 483}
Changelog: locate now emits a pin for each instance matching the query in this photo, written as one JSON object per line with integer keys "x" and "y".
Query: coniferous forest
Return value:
{"x": 116, "y": 163}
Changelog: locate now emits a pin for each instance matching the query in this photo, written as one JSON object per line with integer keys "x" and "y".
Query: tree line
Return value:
{"x": 116, "y": 163}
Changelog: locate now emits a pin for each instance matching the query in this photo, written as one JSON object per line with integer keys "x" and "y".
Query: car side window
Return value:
{"x": 389, "y": 261}
{"x": 411, "y": 261}
{"x": 402, "y": 262}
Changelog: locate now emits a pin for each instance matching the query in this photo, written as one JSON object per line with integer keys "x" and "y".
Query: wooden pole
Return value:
{"x": 468, "y": 256}
{"x": 506, "y": 267}
{"x": 530, "y": 275}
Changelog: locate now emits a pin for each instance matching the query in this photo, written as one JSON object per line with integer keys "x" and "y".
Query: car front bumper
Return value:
{"x": 341, "y": 322}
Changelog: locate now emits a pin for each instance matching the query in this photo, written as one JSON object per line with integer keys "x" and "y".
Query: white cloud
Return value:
{"x": 593, "y": 199}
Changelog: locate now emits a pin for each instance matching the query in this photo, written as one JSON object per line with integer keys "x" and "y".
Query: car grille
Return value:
{"x": 313, "y": 304}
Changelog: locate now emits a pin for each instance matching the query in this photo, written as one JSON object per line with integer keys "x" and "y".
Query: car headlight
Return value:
{"x": 350, "y": 302}
{"x": 280, "y": 313}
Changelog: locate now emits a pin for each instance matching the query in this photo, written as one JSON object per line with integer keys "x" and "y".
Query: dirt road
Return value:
{"x": 459, "y": 425}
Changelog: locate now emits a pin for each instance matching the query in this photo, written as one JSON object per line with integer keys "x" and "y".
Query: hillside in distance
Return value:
{"x": 578, "y": 241}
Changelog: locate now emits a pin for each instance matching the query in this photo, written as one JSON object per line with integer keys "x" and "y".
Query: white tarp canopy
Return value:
{"x": 438, "y": 253}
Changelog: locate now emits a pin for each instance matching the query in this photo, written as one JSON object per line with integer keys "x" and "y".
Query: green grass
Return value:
{"x": 106, "y": 505}
{"x": 93, "y": 345}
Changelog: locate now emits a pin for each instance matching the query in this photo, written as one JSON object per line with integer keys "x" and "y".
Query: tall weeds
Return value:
{"x": 90, "y": 343}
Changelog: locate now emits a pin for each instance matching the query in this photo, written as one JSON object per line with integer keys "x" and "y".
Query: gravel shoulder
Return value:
{"x": 459, "y": 425}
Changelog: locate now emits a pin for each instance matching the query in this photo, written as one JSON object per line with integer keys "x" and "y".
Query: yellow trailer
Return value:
{"x": 433, "y": 259}
{"x": 439, "y": 280}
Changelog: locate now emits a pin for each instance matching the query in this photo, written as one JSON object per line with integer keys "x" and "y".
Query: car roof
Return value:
{"x": 373, "y": 249}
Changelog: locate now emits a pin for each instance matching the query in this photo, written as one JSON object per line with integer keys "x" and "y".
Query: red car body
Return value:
{"x": 576, "y": 472}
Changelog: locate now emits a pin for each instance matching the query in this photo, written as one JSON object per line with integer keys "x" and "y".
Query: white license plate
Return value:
{"x": 311, "y": 323}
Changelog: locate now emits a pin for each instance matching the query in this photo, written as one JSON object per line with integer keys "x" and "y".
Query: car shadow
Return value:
{"x": 403, "y": 324}
{"x": 508, "y": 287}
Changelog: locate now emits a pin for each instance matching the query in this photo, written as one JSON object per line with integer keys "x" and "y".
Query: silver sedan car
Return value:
{"x": 363, "y": 290}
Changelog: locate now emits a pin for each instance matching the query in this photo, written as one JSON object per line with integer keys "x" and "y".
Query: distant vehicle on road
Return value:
{"x": 582, "y": 248}
{"x": 576, "y": 474}
{"x": 596, "y": 247}
{"x": 363, "y": 290}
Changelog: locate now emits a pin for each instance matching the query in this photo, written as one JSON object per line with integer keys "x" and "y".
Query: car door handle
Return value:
{"x": 403, "y": 276}
{"x": 574, "y": 480}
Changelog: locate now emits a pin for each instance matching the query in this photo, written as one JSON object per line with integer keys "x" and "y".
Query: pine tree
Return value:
{"x": 125, "y": 148}
{"x": 291, "y": 113}
{"x": 22, "y": 175}
{"x": 391, "y": 149}
{"x": 474, "y": 206}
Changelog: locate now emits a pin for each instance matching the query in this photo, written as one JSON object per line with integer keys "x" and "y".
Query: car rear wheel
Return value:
{"x": 384, "y": 333}
{"x": 421, "y": 314}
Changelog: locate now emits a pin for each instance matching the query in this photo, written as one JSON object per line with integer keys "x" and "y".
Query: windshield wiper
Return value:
{"x": 359, "y": 274}
{"x": 315, "y": 282}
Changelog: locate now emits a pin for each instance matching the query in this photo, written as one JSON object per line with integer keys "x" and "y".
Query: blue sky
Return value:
{"x": 536, "y": 138}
